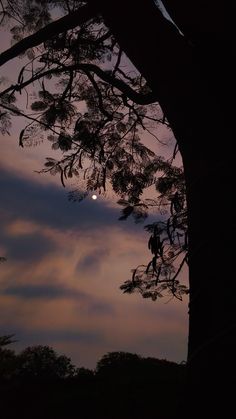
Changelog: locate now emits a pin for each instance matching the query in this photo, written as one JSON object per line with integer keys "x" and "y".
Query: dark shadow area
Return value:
{"x": 39, "y": 383}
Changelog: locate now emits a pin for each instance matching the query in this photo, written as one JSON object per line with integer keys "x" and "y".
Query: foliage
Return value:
{"x": 34, "y": 362}
{"x": 94, "y": 108}
{"x": 133, "y": 384}
{"x": 42, "y": 362}
{"x": 116, "y": 363}
{"x": 124, "y": 365}
{"x": 8, "y": 361}
{"x": 6, "y": 340}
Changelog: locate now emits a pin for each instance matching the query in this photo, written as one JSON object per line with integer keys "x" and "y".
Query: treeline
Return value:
{"x": 39, "y": 383}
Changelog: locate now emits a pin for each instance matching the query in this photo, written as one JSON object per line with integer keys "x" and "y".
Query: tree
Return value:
{"x": 42, "y": 363}
{"x": 118, "y": 365}
{"x": 188, "y": 70}
{"x": 8, "y": 359}
{"x": 125, "y": 367}
{"x": 140, "y": 386}
{"x": 34, "y": 362}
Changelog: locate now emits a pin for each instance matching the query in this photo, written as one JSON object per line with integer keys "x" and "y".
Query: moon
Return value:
{"x": 94, "y": 196}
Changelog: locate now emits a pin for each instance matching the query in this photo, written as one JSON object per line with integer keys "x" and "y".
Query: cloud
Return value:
{"x": 48, "y": 205}
{"x": 91, "y": 263}
{"x": 39, "y": 336}
{"x": 99, "y": 308}
{"x": 42, "y": 291}
{"x": 34, "y": 218}
{"x": 32, "y": 247}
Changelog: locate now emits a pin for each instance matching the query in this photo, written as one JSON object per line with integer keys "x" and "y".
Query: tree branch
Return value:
{"x": 100, "y": 99}
{"x": 102, "y": 74}
{"x": 120, "y": 85}
{"x": 159, "y": 52}
{"x": 70, "y": 21}
{"x": 19, "y": 113}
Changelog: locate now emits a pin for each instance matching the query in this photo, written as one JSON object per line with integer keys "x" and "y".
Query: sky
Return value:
{"x": 65, "y": 264}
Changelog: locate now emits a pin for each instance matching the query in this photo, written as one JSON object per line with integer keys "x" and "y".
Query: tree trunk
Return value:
{"x": 212, "y": 314}
{"x": 193, "y": 85}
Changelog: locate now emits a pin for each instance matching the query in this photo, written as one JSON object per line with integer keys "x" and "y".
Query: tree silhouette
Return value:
{"x": 6, "y": 340}
{"x": 115, "y": 364}
{"x": 140, "y": 386}
{"x": 42, "y": 362}
{"x": 123, "y": 384}
{"x": 8, "y": 360}
{"x": 188, "y": 70}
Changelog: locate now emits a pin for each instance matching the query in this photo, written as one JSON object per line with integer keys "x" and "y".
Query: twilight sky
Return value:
{"x": 66, "y": 261}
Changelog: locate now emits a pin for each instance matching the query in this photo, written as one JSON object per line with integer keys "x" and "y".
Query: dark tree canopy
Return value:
{"x": 42, "y": 362}
{"x": 33, "y": 363}
{"x": 123, "y": 385}
{"x": 8, "y": 362}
